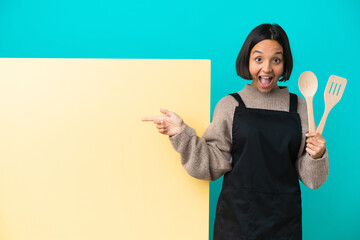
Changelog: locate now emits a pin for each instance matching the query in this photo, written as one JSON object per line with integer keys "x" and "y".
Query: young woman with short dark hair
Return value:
{"x": 258, "y": 139}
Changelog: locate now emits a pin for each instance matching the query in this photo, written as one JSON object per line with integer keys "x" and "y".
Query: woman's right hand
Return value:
{"x": 168, "y": 124}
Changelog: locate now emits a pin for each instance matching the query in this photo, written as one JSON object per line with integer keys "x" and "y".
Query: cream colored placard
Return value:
{"x": 77, "y": 163}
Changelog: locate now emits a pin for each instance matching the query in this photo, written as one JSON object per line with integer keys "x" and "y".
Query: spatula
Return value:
{"x": 333, "y": 92}
{"x": 308, "y": 85}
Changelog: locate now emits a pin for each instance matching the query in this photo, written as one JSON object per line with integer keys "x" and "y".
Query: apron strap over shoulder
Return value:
{"x": 293, "y": 102}
{"x": 238, "y": 98}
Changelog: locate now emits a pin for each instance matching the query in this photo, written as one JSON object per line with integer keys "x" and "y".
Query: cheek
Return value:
{"x": 279, "y": 70}
{"x": 253, "y": 69}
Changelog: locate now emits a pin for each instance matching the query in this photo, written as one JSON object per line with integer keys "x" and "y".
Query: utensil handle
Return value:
{"x": 321, "y": 126}
{"x": 310, "y": 110}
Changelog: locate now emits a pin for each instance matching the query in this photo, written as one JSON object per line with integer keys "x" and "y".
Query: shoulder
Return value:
{"x": 226, "y": 103}
{"x": 301, "y": 106}
{"x": 225, "y": 107}
{"x": 301, "y": 101}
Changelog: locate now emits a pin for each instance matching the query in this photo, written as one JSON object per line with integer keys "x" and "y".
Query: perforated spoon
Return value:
{"x": 308, "y": 85}
{"x": 333, "y": 92}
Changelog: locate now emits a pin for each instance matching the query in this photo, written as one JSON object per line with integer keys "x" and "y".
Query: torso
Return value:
{"x": 260, "y": 198}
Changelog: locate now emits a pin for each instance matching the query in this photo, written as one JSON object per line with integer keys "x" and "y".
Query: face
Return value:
{"x": 266, "y": 65}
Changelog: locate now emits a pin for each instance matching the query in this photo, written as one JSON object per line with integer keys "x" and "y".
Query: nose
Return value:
{"x": 267, "y": 67}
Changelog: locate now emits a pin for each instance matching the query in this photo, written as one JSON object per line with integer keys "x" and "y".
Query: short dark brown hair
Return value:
{"x": 262, "y": 32}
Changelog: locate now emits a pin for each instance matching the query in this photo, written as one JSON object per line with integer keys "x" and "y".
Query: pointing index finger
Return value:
{"x": 156, "y": 119}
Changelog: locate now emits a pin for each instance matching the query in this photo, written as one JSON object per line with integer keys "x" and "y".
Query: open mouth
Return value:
{"x": 265, "y": 82}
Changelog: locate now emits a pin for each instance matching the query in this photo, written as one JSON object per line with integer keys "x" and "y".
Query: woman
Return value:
{"x": 258, "y": 140}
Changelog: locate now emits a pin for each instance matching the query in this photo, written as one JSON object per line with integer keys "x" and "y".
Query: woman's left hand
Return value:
{"x": 315, "y": 145}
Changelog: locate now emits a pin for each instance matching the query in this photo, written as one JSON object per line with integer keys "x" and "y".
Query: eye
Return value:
{"x": 258, "y": 59}
{"x": 277, "y": 60}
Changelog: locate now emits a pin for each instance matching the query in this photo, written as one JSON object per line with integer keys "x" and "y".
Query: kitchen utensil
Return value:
{"x": 308, "y": 85}
{"x": 333, "y": 92}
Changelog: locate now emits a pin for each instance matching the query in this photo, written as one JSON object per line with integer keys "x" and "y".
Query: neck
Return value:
{"x": 255, "y": 86}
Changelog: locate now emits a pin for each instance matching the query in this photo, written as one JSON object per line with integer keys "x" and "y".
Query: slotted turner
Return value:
{"x": 333, "y": 92}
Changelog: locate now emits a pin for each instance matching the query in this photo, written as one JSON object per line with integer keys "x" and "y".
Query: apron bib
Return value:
{"x": 260, "y": 197}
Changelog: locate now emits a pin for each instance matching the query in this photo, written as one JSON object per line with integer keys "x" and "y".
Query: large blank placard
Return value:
{"x": 77, "y": 163}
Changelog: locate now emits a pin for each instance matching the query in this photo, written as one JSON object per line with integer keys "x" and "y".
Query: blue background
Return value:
{"x": 324, "y": 36}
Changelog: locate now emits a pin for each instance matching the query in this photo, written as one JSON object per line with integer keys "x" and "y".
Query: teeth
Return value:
{"x": 266, "y": 77}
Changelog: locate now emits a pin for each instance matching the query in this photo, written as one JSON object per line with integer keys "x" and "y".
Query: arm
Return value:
{"x": 313, "y": 169}
{"x": 208, "y": 157}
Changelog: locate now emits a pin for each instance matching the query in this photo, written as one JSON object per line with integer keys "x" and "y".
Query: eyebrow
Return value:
{"x": 257, "y": 51}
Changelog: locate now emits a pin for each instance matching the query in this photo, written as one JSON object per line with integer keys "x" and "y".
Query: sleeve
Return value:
{"x": 312, "y": 172}
{"x": 208, "y": 157}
